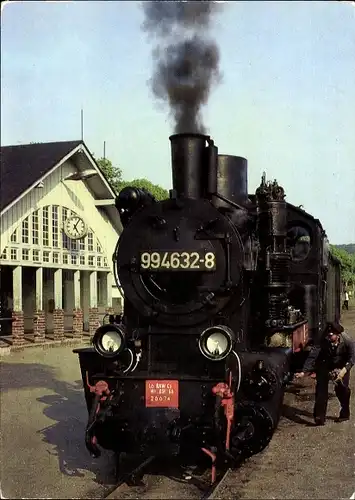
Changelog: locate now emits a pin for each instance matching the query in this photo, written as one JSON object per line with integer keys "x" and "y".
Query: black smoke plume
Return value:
{"x": 186, "y": 58}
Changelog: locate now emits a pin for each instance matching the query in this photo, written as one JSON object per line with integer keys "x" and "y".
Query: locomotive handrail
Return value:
{"x": 293, "y": 326}
{"x": 235, "y": 205}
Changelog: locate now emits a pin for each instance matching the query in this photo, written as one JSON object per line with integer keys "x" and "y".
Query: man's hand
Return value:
{"x": 340, "y": 375}
{"x": 299, "y": 375}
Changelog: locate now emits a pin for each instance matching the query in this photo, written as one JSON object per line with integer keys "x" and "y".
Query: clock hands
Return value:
{"x": 76, "y": 225}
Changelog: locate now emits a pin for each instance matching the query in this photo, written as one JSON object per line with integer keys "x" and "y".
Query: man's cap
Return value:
{"x": 334, "y": 327}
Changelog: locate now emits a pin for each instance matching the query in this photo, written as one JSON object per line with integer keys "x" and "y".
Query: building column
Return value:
{"x": 18, "y": 328}
{"x": 39, "y": 322}
{"x": 108, "y": 294}
{"x": 58, "y": 313}
{"x": 93, "y": 309}
{"x": 77, "y": 311}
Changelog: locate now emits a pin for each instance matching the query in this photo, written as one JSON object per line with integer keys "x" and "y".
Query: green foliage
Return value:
{"x": 347, "y": 263}
{"x": 350, "y": 248}
{"x": 114, "y": 176}
{"x": 158, "y": 192}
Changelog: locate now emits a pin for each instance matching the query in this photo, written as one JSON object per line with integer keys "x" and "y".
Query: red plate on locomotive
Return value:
{"x": 162, "y": 394}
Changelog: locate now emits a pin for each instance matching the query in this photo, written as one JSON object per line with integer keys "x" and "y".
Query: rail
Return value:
{"x": 130, "y": 484}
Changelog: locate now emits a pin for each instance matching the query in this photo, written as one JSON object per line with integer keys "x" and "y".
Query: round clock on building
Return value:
{"x": 75, "y": 227}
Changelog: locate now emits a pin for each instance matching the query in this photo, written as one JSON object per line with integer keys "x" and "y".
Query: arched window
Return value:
{"x": 40, "y": 239}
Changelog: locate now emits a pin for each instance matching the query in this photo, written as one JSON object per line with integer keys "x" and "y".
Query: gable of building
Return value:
{"x": 32, "y": 224}
{"x": 24, "y": 165}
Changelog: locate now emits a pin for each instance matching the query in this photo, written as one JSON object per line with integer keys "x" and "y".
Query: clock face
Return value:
{"x": 75, "y": 227}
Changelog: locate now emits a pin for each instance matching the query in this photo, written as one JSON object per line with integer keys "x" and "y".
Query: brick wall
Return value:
{"x": 58, "y": 324}
{"x": 77, "y": 322}
{"x": 18, "y": 329}
{"x": 39, "y": 326}
{"x": 94, "y": 322}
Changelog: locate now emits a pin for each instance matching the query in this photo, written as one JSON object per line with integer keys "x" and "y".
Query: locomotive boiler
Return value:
{"x": 222, "y": 292}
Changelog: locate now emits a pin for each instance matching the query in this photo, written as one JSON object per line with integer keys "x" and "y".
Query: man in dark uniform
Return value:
{"x": 332, "y": 360}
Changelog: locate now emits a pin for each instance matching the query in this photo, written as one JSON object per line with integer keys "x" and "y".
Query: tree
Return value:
{"x": 347, "y": 264}
{"x": 114, "y": 176}
{"x": 157, "y": 191}
{"x": 350, "y": 247}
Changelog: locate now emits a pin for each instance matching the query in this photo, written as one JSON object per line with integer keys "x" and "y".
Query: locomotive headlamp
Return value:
{"x": 109, "y": 340}
{"x": 216, "y": 342}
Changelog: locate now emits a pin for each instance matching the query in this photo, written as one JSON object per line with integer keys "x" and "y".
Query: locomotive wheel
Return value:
{"x": 252, "y": 432}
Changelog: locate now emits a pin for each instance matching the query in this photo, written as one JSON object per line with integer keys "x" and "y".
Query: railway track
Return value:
{"x": 153, "y": 480}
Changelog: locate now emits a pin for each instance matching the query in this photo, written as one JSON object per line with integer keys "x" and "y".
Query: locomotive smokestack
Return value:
{"x": 188, "y": 163}
{"x": 187, "y": 60}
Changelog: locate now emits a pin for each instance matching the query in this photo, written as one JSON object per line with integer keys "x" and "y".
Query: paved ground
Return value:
{"x": 303, "y": 461}
{"x": 42, "y": 419}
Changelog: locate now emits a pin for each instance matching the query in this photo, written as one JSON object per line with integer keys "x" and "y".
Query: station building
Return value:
{"x": 59, "y": 229}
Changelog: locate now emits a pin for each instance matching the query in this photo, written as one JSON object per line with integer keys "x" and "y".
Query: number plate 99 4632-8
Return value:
{"x": 177, "y": 261}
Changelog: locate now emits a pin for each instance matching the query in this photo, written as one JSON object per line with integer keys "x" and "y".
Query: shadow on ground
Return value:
{"x": 299, "y": 395}
{"x": 296, "y": 414}
{"x": 68, "y": 411}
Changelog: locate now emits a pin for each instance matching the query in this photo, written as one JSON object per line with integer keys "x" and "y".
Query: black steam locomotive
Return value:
{"x": 222, "y": 293}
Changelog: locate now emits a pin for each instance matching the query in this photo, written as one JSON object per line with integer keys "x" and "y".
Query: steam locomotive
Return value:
{"x": 223, "y": 292}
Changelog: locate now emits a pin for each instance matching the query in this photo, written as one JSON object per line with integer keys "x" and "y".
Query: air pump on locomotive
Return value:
{"x": 213, "y": 313}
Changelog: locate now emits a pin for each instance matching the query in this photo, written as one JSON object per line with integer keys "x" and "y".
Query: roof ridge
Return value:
{"x": 78, "y": 141}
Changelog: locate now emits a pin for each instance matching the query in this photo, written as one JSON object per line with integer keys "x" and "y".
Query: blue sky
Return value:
{"x": 286, "y": 101}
